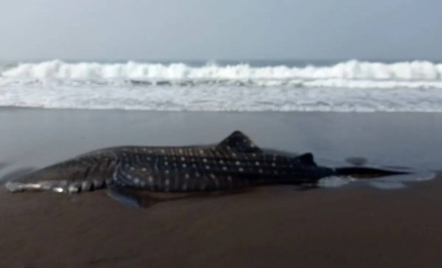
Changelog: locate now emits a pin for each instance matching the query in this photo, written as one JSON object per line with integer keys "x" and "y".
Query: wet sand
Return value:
{"x": 268, "y": 227}
{"x": 353, "y": 226}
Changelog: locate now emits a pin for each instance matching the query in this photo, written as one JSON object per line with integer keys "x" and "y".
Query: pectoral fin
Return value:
{"x": 123, "y": 196}
{"x": 131, "y": 197}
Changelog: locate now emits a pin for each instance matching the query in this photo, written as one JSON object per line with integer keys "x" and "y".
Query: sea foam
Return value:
{"x": 415, "y": 70}
{"x": 355, "y": 86}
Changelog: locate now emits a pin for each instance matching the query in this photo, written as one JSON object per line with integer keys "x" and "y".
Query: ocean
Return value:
{"x": 280, "y": 86}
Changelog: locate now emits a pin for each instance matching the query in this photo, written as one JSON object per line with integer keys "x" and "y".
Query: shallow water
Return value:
{"x": 393, "y": 182}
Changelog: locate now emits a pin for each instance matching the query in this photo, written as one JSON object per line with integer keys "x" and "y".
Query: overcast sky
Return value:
{"x": 220, "y": 29}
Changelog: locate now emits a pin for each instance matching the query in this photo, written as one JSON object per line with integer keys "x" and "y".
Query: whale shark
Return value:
{"x": 235, "y": 162}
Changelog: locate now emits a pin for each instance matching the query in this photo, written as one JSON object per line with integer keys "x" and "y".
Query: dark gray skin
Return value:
{"x": 234, "y": 163}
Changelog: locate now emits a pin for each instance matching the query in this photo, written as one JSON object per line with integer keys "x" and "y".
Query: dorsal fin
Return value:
{"x": 238, "y": 141}
{"x": 306, "y": 159}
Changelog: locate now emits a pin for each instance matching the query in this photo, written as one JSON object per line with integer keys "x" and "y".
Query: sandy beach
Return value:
{"x": 264, "y": 227}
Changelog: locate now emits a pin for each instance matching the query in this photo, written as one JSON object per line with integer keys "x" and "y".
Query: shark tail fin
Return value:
{"x": 366, "y": 172}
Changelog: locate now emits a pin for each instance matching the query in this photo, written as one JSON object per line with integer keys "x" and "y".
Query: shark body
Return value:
{"x": 234, "y": 163}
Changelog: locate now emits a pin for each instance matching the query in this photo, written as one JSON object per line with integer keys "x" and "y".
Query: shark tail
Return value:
{"x": 367, "y": 173}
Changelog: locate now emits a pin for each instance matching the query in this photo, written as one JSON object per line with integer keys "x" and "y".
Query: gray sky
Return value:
{"x": 220, "y": 29}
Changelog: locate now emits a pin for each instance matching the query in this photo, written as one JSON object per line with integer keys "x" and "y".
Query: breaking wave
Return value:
{"x": 351, "y": 73}
{"x": 359, "y": 86}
